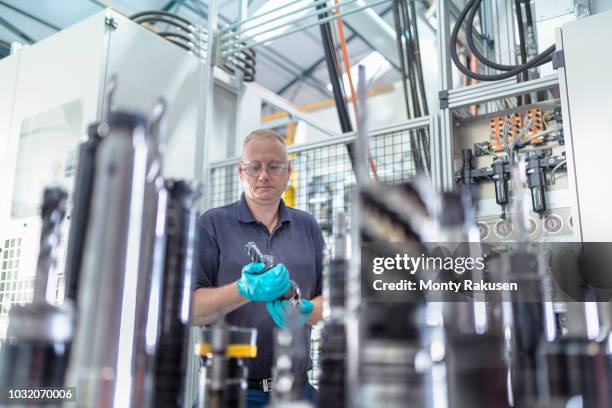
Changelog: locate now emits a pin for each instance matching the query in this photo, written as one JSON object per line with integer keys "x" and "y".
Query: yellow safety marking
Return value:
{"x": 232, "y": 351}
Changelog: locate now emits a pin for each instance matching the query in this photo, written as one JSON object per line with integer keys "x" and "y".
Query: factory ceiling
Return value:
{"x": 292, "y": 66}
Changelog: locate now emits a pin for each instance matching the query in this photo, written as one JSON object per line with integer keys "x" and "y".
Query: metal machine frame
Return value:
{"x": 451, "y": 99}
{"x": 223, "y": 42}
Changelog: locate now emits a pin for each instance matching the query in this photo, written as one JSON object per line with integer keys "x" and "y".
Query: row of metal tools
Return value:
{"x": 121, "y": 335}
{"x": 520, "y": 349}
{"x": 525, "y": 348}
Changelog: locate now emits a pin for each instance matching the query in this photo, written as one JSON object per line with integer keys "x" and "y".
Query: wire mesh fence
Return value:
{"x": 17, "y": 283}
{"x": 14, "y": 288}
{"x": 322, "y": 184}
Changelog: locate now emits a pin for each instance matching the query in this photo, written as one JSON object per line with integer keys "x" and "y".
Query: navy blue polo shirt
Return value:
{"x": 296, "y": 241}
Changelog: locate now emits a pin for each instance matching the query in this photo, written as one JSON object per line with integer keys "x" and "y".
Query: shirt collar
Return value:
{"x": 245, "y": 215}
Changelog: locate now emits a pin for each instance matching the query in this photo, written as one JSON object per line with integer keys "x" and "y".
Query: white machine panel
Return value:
{"x": 49, "y": 94}
{"x": 147, "y": 68}
{"x": 547, "y": 9}
{"x": 8, "y": 73}
{"x": 587, "y": 112}
{"x": 54, "y": 93}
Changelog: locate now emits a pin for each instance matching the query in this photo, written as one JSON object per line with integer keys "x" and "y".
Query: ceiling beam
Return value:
{"x": 374, "y": 31}
{"x": 16, "y": 31}
{"x": 307, "y": 73}
{"x": 304, "y": 75}
{"x": 278, "y": 60}
{"x": 168, "y": 5}
{"x": 30, "y": 16}
{"x": 313, "y": 37}
{"x": 99, "y": 3}
{"x": 311, "y": 82}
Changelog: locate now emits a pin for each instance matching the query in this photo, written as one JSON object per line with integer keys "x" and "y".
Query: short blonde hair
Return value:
{"x": 261, "y": 134}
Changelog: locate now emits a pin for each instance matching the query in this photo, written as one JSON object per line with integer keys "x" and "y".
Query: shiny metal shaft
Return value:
{"x": 101, "y": 361}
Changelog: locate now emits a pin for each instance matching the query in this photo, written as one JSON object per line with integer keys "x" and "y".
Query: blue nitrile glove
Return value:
{"x": 278, "y": 309}
{"x": 263, "y": 287}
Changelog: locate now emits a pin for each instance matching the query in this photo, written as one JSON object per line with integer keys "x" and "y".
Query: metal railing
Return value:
{"x": 236, "y": 41}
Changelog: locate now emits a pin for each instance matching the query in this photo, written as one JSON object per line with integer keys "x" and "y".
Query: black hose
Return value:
{"x": 249, "y": 52}
{"x": 167, "y": 34}
{"x": 528, "y": 14}
{"x": 404, "y": 71}
{"x": 409, "y": 95}
{"x": 420, "y": 143}
{"x": 166, "y": 21}
{"x": 416, "y": 151}
{"x": 333, "y": 70}
{"x": 474, "y": 49}
{"x": 246, "y": 63}
{"x": 521, "y": 30}
{"x": 410, "y": 53}
{"x": 538, "y": 60}
{"x": 470, "y": 40}
{"x": 410, "y": 45}
{"x": 419, "y": 65}
{"x": 180, "y": 44}
{"x": 523, "y": 48}
{"x": 416, "y": 60}
{"x": 161, "y": 13}
{"x": 400, "y": 53}
{"x": 540, "y": 95}
{"x": 248, "y": 73}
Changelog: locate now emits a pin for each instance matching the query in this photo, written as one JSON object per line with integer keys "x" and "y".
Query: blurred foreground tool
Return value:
{"x": 35, "y": 354}
{"x": 223, "y": 376}
{"x": 332, "y": 386}
{"x": 174, "y": 294}
{"x": 81, "y": 204}
{"x": 111, "y": 360}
